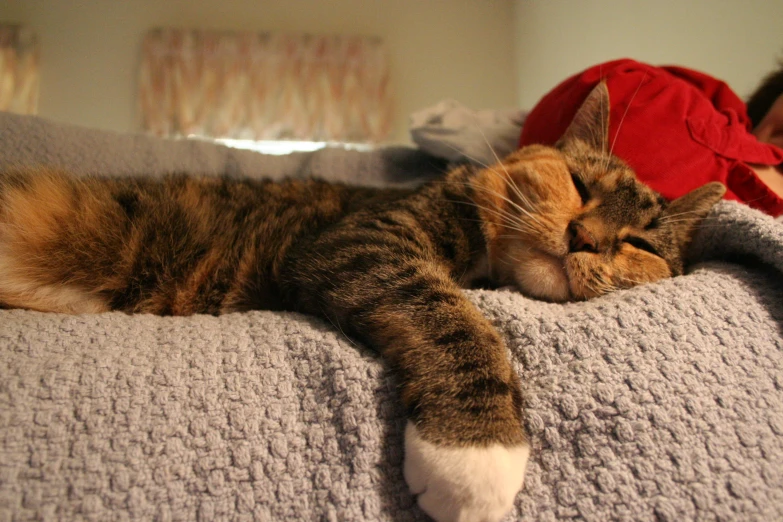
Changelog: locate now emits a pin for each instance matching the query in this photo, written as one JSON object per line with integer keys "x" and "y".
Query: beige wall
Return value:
{"x": 735, "y": 40}
{"x": 484, "y": 53}
{"x": 462, "y": 49}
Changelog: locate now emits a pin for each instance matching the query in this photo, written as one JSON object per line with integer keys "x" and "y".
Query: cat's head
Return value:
{"x": 571, "y": 222}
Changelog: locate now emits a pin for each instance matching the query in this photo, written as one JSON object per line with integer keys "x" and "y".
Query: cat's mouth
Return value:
{"x": 558, "y": 275}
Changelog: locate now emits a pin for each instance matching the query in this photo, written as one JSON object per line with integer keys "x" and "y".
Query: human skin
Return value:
{"x": 770, "y": 130}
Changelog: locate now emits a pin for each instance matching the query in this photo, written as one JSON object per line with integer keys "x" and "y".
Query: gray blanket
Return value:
{"x": 663, "y": 402}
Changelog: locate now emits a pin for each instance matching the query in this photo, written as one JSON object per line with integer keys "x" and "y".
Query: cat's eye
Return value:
{"x": 581, "y": 188}
{"x": 641, "y": 244}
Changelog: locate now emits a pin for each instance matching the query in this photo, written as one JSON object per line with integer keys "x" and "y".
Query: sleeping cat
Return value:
{"x": 560, "y": 223}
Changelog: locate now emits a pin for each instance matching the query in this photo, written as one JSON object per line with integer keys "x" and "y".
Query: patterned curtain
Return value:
{"x": 19, "y": 70}
{"x": 265, "y": 86}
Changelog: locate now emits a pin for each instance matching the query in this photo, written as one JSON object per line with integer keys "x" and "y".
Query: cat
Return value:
{"x": 560, "y": 223}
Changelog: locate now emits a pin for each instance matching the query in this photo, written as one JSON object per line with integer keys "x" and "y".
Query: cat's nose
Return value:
{"x": 580, "y": 239}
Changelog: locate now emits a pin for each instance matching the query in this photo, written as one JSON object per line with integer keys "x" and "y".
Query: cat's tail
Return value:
{"x": 42, "y": 215}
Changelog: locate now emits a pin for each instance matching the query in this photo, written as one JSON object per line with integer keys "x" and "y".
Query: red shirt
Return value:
{"x": 677, "y": 128}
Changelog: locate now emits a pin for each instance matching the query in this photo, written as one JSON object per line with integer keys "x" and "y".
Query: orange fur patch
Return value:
{"x": 31, "y": 218}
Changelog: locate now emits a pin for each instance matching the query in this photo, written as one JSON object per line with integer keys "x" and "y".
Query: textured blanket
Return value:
{"x": 663, "y": 402}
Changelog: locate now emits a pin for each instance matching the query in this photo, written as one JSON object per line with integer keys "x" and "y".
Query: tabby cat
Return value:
{"x": 560, "y": 223}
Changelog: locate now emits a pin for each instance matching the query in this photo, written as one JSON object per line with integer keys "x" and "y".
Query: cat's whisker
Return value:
{"x": 507, "y": 225}
{"x": 507, "y": 255}
{"x": 605, "y": 130}
{"x": 513, "y": 187}
{"x": 522, "y": 210}
{"x": 666, "y": 218}
{"x": 517, "y": 229}
{"x": 506, "y": 178}
{"x": 486, "y": 166}
{"x": 501, "y": 196}
{"x": 509, "y": 179}
{"x": 678, "y": 220}
{"x": 627, "y": 107}
{"x": 684, "y": 220}
{"x": 604, "y": 124}
{"x": 336, "y": 324}
{"x": 468, "y": 156}
{"x": 491, "y": 149}
{"x": 508, "y": 220}
{"x": 521, "y": 195}
{"x": 749, "y": 201}
{"x": 593, "y": 288}
{"x": 604, "y": 137}
{"x": 508, "y": 182}
{"x": 604, "y": 285}
{"x": 634, "y": 282}
{"x": 507, "y": 216}
{"x": 601, "y": 287}
{"x": 699, "y": 227}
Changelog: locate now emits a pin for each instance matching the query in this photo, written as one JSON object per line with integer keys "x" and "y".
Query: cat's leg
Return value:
{"x": 466, "y": 450}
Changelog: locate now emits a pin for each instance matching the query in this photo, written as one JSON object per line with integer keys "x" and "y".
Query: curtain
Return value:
{"x": 265, "y": 86}
{"x": 19, "y": 70}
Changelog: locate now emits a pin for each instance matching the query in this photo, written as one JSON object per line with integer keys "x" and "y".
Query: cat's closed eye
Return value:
{"x": 641, "y": 244}
{"x": 581, "y": 188}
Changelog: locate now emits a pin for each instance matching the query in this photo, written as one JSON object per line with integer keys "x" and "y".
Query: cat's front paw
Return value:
{"x": 463, "y": 484}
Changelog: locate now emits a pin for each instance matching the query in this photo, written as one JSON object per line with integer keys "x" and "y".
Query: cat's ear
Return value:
{"x": 591, "y": 123}
{"x": 684, "y": 215}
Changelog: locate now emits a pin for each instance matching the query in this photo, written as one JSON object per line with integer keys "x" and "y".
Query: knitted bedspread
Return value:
{"x": 662, "y": 402}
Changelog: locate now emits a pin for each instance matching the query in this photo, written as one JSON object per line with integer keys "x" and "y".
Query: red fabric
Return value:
{"x": 677, "y": 128}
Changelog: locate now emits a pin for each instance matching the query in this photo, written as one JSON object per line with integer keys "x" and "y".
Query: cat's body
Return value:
{"x": 385, "y": 266}
{"x": 174, "y": 246}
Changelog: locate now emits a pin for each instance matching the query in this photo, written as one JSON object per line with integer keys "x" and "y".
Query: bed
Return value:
{"x": 662, "y": 402}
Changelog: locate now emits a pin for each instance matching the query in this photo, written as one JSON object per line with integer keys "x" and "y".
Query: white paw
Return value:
{"x": 470, "y": 484}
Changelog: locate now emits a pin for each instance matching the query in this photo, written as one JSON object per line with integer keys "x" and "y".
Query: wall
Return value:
{"x": 461, "y": 49}
{"x": 484, "y": 53}
{"x": 735, "y": 40}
